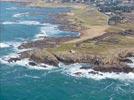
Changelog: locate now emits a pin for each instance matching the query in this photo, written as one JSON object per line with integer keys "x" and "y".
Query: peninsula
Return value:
{"x": 105, "y": 42}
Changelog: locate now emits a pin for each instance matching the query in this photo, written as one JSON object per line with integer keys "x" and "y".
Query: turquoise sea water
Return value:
{"x": 19, "y": 24}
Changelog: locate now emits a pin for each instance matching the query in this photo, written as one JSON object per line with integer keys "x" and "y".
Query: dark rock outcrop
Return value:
{"x": 68, "y": 58}
{"x": 32, "y": 63}
{"x": 97, "y": 63}
{"x": 114, "y": 68}
{"x": 127, "y": 32}
{"x": 78, "y": 73}
{"x": 47, "y": 42}
{"x": 130, "y": 54}
{"x": 14, "y": 59}
{"x": 126, "y": 60}
{"x": 85, "y": 67}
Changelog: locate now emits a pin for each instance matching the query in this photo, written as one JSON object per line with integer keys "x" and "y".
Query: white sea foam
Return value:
{"x": 4, "y": 59}
{"x": 14, "y": 44}
{"x": 22, "y": 50}
{"x": 4, "y": 45}
{"x": 21, "y": 14}
{"x": 10, "y": 44}
{"x": 22, "y": 22}
{"x": 51, "y": 29}
{"x": 30, "y": 22}
{"x": 23, "y": 62}
{"x": 11, "y": 8}
{"x": 40, "y": 36}
{"x": 74, "y": 70}
{"x": 31, "y": 76}
{"x": 47, "y": 30}
{"x": 131, "y": 64}
{"x": 8, "y": 22}
{"x": 132, "y": 59}
{"x": 43, "y": 31}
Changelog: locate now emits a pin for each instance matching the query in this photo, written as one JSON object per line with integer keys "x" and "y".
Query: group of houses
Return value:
{"x": 112, "y": 8}
{"x": 72, "y": 1}
{"x": 115, "y": 9}
{"x": 92, "y": 1}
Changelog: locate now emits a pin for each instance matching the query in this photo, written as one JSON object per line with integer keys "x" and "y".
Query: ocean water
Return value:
{"x": 23, "y": 82}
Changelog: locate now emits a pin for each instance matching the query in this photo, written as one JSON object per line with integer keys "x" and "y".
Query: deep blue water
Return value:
{"x": 23, "y": 83}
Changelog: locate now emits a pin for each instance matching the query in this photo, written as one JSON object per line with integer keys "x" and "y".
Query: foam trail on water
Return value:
{"x": 30, "y": 23}
{"x": 22, "y": 23}
{"x": 27, "y": 22}
{"x": 11, "y": 8}
{"x": 31, "y": 76}
{"x": 21, "y": 14}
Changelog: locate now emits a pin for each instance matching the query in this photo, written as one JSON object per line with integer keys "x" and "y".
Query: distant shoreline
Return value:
{"x": 14, "y": 1}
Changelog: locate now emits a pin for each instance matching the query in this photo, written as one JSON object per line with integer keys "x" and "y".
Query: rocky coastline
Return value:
{"x": 98, "y": 64}
{"x": 43, "y": 52}
{"x": 109, "y": 52}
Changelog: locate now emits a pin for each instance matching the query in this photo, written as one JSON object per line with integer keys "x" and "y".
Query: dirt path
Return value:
{"x": 95, "y": 31}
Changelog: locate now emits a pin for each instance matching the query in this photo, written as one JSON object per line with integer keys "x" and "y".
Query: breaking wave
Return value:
{"x": 23, "y": 62}
{"x": 72, "y": 70}
{"x": 76, "y": 71}
{"x": 47, "y": 30}
{"x": 4, "y": 45}
{"x": 9, "y": 44}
